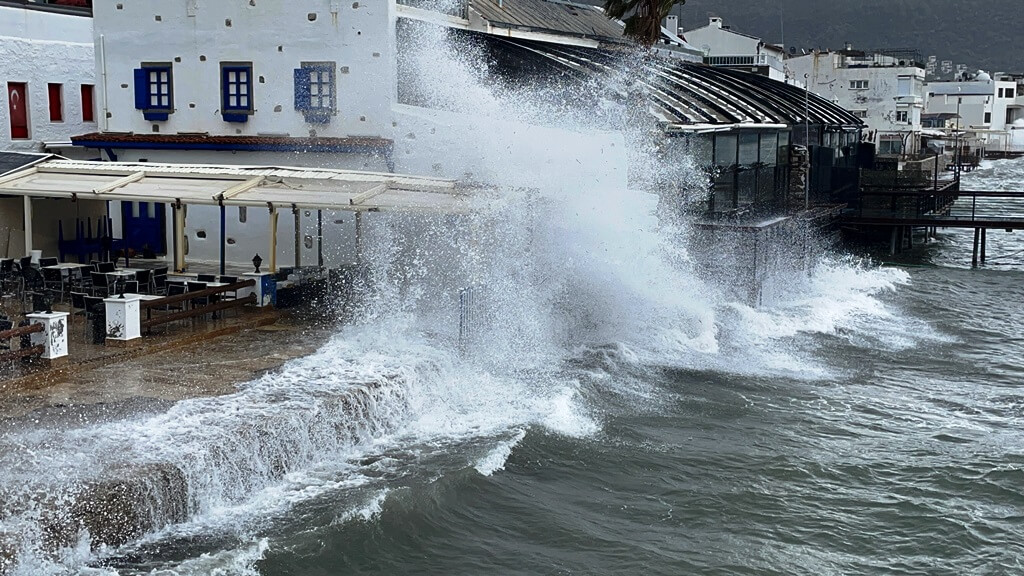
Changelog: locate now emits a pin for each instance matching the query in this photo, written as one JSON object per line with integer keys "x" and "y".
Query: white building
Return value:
{"x": 184, "y": 76}
{"x": 723, "y": 46}
{"x": 885, "y": 90}
{"x": 187, "y": 81}
{"x": 47, "y": 70}
{"x": 991, "y": 109}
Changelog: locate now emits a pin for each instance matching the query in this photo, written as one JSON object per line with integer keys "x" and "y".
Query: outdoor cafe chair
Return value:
{"x": 175, "y": 290}
{"x": 206, "y": 278}
{"x": 131, "y": 286}
{"x": 78, "y": 307}
{"x": 158, "y": 284}
{"x": 54, "y": 280}
{"x": 145, "y": 280}
{"x": 44, "y": 262}
{"x": 106, "y": 267}
{"x": 77, "y": 280}
{"x": 5, "y": 325}
{"x": 99, "y": 282}
{"x": 90, "y": 309}
{"x": 201, "y": 300}
{"x": 7, "y": 275}
{"x": 25, "y": 262}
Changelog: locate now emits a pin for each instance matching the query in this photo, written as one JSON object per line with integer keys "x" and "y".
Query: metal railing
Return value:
{"x": 949, "y": 207}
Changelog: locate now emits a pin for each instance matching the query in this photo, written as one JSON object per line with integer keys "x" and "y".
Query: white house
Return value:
{"x": 991, "y": 109}
{"x": 886, "y": 90}
{"x": 202, "y": 83}
{"x": 723, "y": 46}
{"x": 184, "y": 76}
{"x": 47, "y": 70}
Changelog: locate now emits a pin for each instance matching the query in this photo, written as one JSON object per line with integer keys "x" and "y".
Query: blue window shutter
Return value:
{"x": 141, "y": 89}
{"x": 302, "y": 101}
{"x": 223, "y": 89}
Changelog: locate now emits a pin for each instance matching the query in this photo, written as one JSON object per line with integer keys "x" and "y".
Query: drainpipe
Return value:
{"x": 103, "y": 78}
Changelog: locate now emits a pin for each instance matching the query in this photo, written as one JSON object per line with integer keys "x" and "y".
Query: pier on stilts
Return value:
{"x": 904, "y": 211}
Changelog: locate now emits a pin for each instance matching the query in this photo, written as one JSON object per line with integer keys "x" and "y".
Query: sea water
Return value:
{"x": 616, "y": 413}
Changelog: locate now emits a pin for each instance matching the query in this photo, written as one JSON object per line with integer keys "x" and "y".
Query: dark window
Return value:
{"x": 746, "y": 187}
{"x": 784, "y": 148}
{"x": 748, "y": 148}
{"x": 88, "y": 110}
{"x": 988, "y": 117}
{"x": 725, "y": 149}
{"x": 55, "y": 93}
{"x": 724, "y": 191}
{"x": 316, "y": 91}
{"x": 769, "y": 145}
{"x": 236, "y": 91}
{"x": 154, "y": 91}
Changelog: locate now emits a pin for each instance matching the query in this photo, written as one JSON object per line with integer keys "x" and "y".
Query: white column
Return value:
{"x": 124, "y": 324}
{"x": 265, "y": 289}
{"x": 179, "y": 237}
{"x": 28, "y": 224}
{"x": 273, "y": 240}
{"x": 359, "y": 238}
{"x": 54, "y": 337}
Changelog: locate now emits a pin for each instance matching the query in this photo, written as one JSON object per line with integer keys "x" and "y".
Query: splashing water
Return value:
{"x": 564, "y": 258}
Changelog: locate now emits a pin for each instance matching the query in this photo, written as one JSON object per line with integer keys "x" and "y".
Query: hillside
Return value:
{"x": 987, "y": 35}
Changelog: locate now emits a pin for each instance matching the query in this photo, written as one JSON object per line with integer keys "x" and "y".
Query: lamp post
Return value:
{"x": 956, "y": 155}
{"x": 807, "y": 140}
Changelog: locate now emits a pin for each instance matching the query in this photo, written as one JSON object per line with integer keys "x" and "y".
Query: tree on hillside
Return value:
{"x": 642, "y": 17}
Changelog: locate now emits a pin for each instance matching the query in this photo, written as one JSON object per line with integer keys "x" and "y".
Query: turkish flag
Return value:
{"x": 17, "y": 102}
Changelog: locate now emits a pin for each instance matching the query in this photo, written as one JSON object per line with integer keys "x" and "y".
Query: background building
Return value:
{"x": 48, "y": 74}
{"x": 731, "y": 49}
{"x": 885, "y": 89}
{"x": 991, "y": 109}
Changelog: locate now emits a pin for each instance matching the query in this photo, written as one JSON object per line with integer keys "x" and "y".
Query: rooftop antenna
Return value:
{"x": 782, "y": 25}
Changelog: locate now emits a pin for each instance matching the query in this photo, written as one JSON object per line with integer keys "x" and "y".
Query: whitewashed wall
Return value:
{"x": 39, "y": 48}
{"x": 714, "y": 40}
{"x": 275, "y": 35}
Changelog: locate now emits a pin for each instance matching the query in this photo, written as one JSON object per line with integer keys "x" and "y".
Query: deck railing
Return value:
{"x": 150, "y": 305}
{"x": 20, "y": 333}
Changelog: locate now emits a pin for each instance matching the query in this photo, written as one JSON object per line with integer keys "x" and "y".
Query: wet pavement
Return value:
{"x": 184, "y": 362}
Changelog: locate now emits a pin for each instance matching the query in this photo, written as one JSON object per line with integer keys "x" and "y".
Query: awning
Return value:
{"x": 296, "y": 187}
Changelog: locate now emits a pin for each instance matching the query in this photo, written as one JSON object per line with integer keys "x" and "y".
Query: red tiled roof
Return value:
{"x": 207, "y": 142}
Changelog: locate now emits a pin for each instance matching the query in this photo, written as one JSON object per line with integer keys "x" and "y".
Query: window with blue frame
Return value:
{"x": 154, "y": 90}
{"x": 316, "y": 91}
{"x": 236, "y": 91}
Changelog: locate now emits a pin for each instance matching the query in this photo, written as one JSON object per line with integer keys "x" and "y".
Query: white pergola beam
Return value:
{"x": 241, "y": 188}
{"x": 119, "y": 183}
{"x": 360, "y": 198}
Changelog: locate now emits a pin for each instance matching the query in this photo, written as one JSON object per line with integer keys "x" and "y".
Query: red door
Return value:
{"x": 17, "y": 102}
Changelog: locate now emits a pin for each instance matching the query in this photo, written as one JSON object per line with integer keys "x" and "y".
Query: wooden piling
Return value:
{"x": 977, "y": 240}
{"x": 984, "y": 235}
